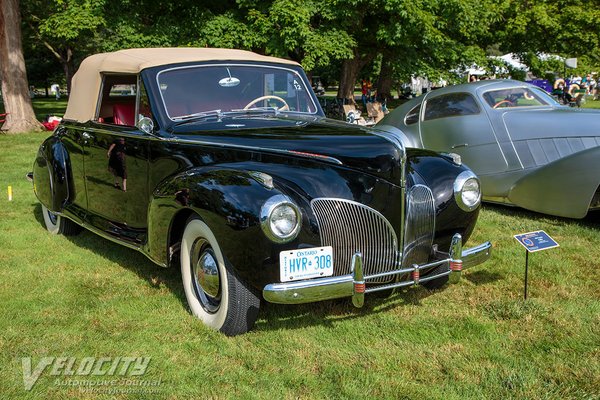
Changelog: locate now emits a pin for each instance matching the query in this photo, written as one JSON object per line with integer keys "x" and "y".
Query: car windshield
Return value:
{"x": 514, "y": 97}
{"x": 199, "y": 90}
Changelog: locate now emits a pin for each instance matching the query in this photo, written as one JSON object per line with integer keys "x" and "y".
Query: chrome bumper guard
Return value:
{"x": 353, "y": 285}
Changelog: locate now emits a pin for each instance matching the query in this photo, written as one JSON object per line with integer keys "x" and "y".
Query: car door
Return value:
{"x": 455, "y": 122}
{"x": 116, "y": 163}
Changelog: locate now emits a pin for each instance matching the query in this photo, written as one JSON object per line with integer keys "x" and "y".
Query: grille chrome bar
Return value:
{"x": 420, "y": 225}
{"x": 351, "y": 227}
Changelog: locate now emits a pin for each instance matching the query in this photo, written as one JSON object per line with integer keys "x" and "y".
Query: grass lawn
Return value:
{"x": 84, "y": 296}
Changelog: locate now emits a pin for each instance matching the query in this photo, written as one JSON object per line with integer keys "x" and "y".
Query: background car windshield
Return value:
{"x": 188, "y": 91}
{"x": 513, "y": 97}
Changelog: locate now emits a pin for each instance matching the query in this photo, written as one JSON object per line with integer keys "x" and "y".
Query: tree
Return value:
{"x": 15, "y": 89}
{"x": 64, "y": 28}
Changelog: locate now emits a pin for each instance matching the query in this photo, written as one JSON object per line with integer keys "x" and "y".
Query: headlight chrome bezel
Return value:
{"x": 459, "y": 185}
{"x": 266, "y": 213}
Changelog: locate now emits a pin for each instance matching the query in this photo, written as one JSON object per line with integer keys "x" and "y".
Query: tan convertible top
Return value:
{"x": 86, "y": 82}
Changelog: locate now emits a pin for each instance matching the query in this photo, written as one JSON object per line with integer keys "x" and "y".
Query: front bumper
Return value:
{"x": 353, "y": 285}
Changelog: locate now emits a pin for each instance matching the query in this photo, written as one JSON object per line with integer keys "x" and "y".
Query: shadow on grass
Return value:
{"x": 272, "y": 316}
{"x": 327, "y": 313}
{"x": 127, "y": 258}
{"x": 482, "y": 277}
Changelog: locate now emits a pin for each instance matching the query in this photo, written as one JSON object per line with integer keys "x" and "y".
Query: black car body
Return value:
{"x": 270, "y": 198}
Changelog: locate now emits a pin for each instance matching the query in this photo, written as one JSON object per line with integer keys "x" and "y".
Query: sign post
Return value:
{"x": 534, "y": 241}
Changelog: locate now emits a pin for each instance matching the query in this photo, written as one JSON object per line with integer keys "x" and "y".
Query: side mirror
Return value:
{"x": 146, "y": 124}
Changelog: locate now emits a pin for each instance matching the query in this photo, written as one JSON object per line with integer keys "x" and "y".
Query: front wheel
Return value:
{"x": 214, "y": 292}
{"x": 56, "y": 224}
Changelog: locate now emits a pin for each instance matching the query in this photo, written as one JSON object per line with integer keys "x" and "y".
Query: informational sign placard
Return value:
{"x": 536, "y": 241}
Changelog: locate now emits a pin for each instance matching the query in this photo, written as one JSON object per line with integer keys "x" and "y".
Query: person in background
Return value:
{"x": 364, "y": 91}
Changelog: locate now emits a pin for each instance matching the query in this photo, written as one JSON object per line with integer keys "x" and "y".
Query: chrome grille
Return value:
{"x": 349, "y": 227}
{"x": 420, "y": 225}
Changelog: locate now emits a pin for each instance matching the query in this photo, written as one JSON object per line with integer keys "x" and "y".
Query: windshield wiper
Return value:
{"x": 184, "y": 119}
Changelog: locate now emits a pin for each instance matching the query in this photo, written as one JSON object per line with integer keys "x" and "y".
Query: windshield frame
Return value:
{"x": 307, "y": 88}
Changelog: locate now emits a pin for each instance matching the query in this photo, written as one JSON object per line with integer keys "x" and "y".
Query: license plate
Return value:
{"x": 305, "y": 263}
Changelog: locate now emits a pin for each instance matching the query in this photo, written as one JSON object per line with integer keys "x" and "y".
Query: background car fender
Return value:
{"x": 564, "y": 187}
{"x": 407, "y": 141}
{"x": 51, "y": 174}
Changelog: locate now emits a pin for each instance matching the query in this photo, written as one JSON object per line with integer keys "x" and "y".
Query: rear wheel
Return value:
{"x": 213, "y": 290}
{"x": 57, "y": 224}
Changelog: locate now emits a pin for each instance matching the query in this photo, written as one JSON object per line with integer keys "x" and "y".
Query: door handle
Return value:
{"x": 455, "y": 146}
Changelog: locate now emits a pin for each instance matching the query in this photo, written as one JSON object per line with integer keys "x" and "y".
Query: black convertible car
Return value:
{"x": 221, "y": 162}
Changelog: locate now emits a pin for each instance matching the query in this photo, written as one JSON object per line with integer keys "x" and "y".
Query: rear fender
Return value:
{"x": 564, "y": 187}
{"x": 51, "y": 177}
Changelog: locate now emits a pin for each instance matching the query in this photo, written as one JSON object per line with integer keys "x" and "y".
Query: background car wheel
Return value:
{"x": 59, "y": 225}
{"x": 214, "y": 292}
{"x": 438, "y": 282}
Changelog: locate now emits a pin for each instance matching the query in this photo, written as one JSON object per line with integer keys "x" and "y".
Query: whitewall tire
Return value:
{"x": 56, "y": 224}
{"x": 214, "y": 292}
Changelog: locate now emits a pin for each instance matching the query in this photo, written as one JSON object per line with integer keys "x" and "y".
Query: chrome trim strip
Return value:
{"x": 319, "y": 157}
{"x": 104, "y": 235}
{"x": 343, "y": 286}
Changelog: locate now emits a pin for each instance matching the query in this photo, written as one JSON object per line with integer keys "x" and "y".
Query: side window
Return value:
{"x": 413, "y": 115}
{"x": 144, "y": 106}
{"x": 117, "y": 100}
{"x": 450, "y": 105}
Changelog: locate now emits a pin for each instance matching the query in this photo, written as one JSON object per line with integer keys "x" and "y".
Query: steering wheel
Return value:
{"x": 507, "y": 102}
{"x": 253, "y": 102}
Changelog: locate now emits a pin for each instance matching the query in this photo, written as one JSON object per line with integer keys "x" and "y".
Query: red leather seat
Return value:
{"x": 124, "y": 114}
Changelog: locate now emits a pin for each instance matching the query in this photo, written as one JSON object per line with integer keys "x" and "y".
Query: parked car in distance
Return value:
{"x": 221, "y": 163}
{"x": 528, "y": 150}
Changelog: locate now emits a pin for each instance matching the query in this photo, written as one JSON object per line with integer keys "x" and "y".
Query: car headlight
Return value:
{"x": 280, "y": 219}
{"x": 467, "y": 191}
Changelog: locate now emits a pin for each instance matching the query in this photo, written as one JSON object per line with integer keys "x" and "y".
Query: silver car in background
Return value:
{"x": 527, "y": 149}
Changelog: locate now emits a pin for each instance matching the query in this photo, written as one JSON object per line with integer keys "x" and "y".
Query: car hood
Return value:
{"x": 320, "y": 139}
{"x": 552, "y": 123}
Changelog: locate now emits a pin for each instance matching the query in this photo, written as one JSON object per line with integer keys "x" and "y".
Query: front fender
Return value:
{"x": 229, "y": 202}
{"x": 564, "y": 187}
{"x": 51, "y": 177}
{"x": 439, "y": 173}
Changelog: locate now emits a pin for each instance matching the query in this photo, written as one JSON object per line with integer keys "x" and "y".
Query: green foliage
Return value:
{"x": 68, "y": 19}
{"x": 419, "y": 37}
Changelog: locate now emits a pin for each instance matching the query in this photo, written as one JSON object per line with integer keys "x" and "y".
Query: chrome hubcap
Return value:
{"x": 205, "y": 276}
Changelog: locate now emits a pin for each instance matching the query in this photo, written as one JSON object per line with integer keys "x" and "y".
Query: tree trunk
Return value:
{"x": 350, "y": 70}
{"x": 15, "y": 88}
{"x": 349, "y": 75}
{"x": 384, "y": 83}
{"x": 69, "y": 68}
